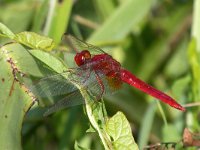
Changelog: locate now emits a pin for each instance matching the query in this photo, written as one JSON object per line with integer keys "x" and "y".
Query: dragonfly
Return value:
{"x": 96, "y": 72}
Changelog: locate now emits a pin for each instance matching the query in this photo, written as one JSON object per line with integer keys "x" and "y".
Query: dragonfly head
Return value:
{"x": 82, "y": 57}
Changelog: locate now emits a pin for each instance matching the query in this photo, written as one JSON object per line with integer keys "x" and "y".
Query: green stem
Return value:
{"x": 49, "y": 17}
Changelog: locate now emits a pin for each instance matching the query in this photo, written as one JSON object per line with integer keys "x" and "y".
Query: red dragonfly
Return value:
{"x": 98, "y": 73}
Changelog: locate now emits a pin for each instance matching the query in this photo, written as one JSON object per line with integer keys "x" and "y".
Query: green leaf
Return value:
{"x": 15, "y": 102}
{"x": 160, "y": 50}
{"x": 120, "y": 132}
{"x": 196, "y": 23}
{"x": 29, "y": 39}
{"x": 90, "y": 130}
{"x": 121, "y": 22}
{"x": 180, "y": 87}
{"x": 58, "y": 19}
{"x": 78, "y": 147}
{"x": 194, "y": 58}
{"x": 24, "y": 60}
{"x": 35, "y": 41}
{"x": 170, "y": 133}
{"x": 40, "y": 16}
{"x": 17, "y": 15}
{"x": 104, "y": 8}
{"x": 49, "y": 60}
{"x": 4, "y": 31}
{"x": 97, "y": 117}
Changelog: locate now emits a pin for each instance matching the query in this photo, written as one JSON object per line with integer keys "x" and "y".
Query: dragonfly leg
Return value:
{"x": 71, "y": 70}
{"x": 101, "y": 85}
{"x": 87, "y": 77}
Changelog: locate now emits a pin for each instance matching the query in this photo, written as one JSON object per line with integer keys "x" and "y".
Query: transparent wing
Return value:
{"x": 53, "y": 85}
{"x": 52, "y": 88}
{"x": 79, "y": 45}
{"x": 74, "y": 98}
{"x": 60, "y": 91}
{"x": 63, "y": 93}
{"x": 99, "y": 84}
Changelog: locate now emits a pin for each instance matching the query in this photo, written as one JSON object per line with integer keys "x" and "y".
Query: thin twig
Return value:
{"x": 192, "y": 104}
{"x": 85, "y": 22}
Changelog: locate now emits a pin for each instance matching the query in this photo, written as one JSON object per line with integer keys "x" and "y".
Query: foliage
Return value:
{"x": 149, "y": 38}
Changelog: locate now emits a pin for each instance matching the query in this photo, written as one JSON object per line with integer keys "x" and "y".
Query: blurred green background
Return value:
{"x": 151, "y": 38}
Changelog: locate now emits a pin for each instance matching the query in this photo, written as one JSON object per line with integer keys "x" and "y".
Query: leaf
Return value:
{"x": 40, "y": 16}
{"x": 170, "y": 133}
{"x": 180, "y": 86}
{"x": 194, "y": 58}
{"x": 18, "y": 15}
{"x": 78, "y": 147}
{"x": 35, "y": 41}
{"x": 58, "y": 22}
{"x": 119, "y": 130}
{"x": 4, "y": 31}
{"x": 15, "y": 102}
{"x": 104, "y": 8}
{"x": 196, "y": 23}
{"x": 90, "y": 130}
{"x": 121, "y": 22}
{"x": 97, "y": 117}
{"x": 24, "y": 60}
{"x": 49, "y": 60}
{"x": 29, "y": 39}
{"x": 160, "y": 50}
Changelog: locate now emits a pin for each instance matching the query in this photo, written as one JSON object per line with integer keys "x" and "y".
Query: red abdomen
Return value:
{"x": 132, "y": 80}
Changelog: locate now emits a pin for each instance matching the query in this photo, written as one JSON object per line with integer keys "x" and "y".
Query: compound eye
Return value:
{"x": 79, "y": 59}
{"x": 82, "y": 57}
{"x": 87, "y": 54}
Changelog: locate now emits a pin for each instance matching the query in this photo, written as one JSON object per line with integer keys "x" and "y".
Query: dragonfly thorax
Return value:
{"x": 106, "y": 65}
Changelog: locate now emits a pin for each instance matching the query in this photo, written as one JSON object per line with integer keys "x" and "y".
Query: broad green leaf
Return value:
{"x": 36, "y": 63}
{"x": 49, "y": 60}
{"x": 4, "y": 31}
{"x": 29, "y": 39}
{"x": 25, "y": 61}
{"x": 121, "y": 22}
{"x": 120, "y": 133}
{"x": 15, "y": 102}
{"x": 35, "y": 41}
